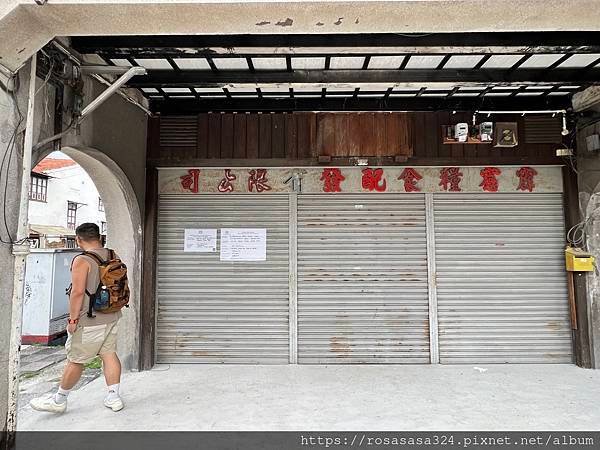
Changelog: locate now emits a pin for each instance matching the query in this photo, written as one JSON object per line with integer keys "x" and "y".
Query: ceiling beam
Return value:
{"x": 190, "y": 78}
{"x": 237, "y": 104}
{"x": 369, "y": 43}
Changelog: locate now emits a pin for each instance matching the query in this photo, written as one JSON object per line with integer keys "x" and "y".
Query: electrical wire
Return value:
{"x": 576, "y": 236}
{"x": 8, "y": 156}
{"x": 5, "y": 168}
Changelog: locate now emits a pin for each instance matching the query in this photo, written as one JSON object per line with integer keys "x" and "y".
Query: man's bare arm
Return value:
{"x": 79, "y": 275}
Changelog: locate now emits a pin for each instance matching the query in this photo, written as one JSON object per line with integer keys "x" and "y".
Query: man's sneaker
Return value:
{"x": 114, "y": 403}
{"x": 48, "y": 404}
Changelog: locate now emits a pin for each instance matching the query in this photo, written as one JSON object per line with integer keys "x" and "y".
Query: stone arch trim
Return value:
{"x": 124, "y": 234}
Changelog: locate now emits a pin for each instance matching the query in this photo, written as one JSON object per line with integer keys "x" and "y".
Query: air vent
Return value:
{"x": 543, "y": 130}
{"x": 178, "y": 131}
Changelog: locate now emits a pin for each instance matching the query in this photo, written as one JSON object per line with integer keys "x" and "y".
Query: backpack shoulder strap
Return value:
{"x": 111, "y": 254}
{"x": 73, "y": 260}
{"x": 96, "y": 258}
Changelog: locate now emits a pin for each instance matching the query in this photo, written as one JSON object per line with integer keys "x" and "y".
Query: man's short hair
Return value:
{"x": 88, "y": 232}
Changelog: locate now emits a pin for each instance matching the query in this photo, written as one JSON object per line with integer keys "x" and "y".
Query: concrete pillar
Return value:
{"x": 588, "y": 163}
{"x": 9, "y": 199}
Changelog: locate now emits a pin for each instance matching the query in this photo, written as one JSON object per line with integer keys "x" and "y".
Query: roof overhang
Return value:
{"x": 333, "y": 72}
{"x": 25, "y": 26}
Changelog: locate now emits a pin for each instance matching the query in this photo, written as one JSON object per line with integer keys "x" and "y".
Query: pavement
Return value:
{"x": 35, "y": 358}
{"x": 337, "y": 397}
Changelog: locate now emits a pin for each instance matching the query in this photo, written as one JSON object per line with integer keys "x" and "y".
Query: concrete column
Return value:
{"x": 9, "y": 199}
{"x": 588, "y": 177}
{"x": 588, "y": 163}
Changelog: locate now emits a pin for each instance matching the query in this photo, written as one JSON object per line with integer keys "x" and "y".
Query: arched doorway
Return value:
{"x": 124, "y": 233}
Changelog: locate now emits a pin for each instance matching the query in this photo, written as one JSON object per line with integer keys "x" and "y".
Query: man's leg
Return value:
{"x": 58, "y": 402}
{"x": 111, "y": 365}
{"x": 71, "y": 375}
{"x": 112, "y": 373}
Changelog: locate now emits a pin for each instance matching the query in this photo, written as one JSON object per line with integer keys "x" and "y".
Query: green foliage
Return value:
{"x": 95, "y": 363}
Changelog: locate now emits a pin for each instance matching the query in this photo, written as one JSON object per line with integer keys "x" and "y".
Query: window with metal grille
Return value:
{"x": 38, "y": 188}
{"x": 100, "y": 204}
{"x": 102, "y": 227}
{"x": 71, "y": 215}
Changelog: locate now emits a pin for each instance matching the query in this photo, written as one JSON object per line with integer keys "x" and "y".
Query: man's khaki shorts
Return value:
{"x": 87, "y": 342}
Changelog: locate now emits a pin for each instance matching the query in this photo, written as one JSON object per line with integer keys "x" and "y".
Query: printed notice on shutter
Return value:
{"x": 200, "y": 240}
{"x": 243, "y": 244}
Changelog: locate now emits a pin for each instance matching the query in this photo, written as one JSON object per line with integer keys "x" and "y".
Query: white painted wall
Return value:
{"x": 67, "y": 184}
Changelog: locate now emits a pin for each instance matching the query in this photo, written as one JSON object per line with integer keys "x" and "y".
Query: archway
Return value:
{"x": 124, "y": 234}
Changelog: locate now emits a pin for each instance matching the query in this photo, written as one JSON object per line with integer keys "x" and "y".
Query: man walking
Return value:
{"x": 88, "y": 336}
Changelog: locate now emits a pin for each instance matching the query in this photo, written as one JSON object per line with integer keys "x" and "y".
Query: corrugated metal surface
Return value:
{"x": 222, "y": 312}
{"x": 501, "y": 283}
{"x": 178, "y": 131}
{"x": 362, "y": 279}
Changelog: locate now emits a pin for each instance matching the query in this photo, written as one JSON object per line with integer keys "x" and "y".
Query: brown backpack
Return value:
{"x": 112, "y": 293}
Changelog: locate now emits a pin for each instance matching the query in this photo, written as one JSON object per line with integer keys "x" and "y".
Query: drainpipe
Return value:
{"x": 20, "y": 251}
{"x": 131, "y": 72}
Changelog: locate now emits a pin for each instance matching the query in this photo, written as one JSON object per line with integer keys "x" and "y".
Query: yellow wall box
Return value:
{"x": 579, "y": 261}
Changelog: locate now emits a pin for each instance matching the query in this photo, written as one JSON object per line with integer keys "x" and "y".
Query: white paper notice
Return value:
{"x": 243, "y": 244}
{"x": 200, "y": 240}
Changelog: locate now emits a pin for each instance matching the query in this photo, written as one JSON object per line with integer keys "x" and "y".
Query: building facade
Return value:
{"x": 62, "y": 196}
{"x": 318, "y": 185}
{"x": 358, "y": 238}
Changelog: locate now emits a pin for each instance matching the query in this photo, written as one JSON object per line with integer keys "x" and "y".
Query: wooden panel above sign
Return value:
{"x": 364, "y": 134}
{"x": 334, "y": 180}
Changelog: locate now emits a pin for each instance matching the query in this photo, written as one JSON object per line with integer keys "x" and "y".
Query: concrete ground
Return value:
{"x": 358, "y": 397}
{"x": 35, "y": 358}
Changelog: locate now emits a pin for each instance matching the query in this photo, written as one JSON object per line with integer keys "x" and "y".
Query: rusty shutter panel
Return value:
{"x": 362, "y": 279}
{"x": 501, "y": 283}
{"x": 543, "y": 130}
{"x": 178, "y": 131}
{"x": 212, "y": 311}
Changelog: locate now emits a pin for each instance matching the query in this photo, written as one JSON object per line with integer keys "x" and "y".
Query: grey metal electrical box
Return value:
{"x": 45, "y": 302}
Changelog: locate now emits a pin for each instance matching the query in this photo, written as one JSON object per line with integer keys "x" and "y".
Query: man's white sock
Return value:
{"x": 61, "y": 396}
{"x": 113, "y": 391}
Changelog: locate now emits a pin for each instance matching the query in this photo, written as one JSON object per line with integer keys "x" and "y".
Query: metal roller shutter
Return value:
{"x": 211, "y": 311}
{"x": 362, "y": 279}
{"x": 501, "y": 284}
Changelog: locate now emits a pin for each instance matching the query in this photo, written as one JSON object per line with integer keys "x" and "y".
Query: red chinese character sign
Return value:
{"x": 450, "y": 178}
{"x": 332, "y": 180}
{"x": 258, "y": 179}
{"x": 372, "y": 180}
{"x": 388, "y": 180}
{"x": 526, "y": 182}
{"x": 189, "y": 182}
{"x": 410, "y": 177}
{"x": 226, "y": 185}
{"x": 489, "y": 181}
